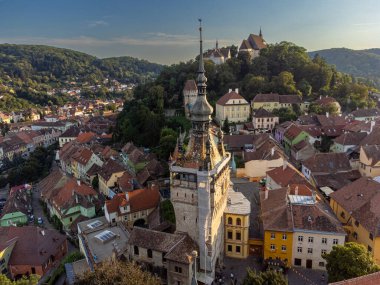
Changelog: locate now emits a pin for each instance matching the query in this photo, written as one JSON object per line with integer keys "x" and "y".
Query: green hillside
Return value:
{"x": 364, "y": 64}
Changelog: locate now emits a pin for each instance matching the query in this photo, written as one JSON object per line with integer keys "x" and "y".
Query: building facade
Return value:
{"x": 232, "y": 106}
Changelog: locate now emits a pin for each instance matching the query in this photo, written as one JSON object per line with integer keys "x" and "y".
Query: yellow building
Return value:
{"x": 369, "y": 160}
{"x": 5, "y": 255}
{"x": 355, "y": 206}
{"x": 108, "y": 176}
{"x": 236, "y": 225}
{"x": 277, "y": 224}
{"x": 273, "y": 101}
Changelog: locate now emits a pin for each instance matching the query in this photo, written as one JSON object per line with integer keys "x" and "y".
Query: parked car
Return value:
{"x": 40, "y": 221}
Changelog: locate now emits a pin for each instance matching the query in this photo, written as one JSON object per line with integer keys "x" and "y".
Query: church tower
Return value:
{"x": 200, "y": 179}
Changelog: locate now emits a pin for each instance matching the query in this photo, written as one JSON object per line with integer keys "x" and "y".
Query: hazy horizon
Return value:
{"x": 166, "y": 32}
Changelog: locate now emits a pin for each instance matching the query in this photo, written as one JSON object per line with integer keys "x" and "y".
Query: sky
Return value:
{"x": 166, "y": 31}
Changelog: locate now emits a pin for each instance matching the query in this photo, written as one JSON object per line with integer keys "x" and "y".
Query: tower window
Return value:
{"x": 230, "y": 221}
{"x": 149, "y": 253}
{"x": 238, "y": 222}
{"x": 136, "y": 250}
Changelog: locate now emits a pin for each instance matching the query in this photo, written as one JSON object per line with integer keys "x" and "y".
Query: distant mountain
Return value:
{"x": 45, "y": 64}
{"x": 359, "y": 63}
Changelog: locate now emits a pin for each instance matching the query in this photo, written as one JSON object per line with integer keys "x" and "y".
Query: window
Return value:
{"x": 324, "y": 240}
{"x": 238, "y": 222}
{"x": 369, "y": 249}
{"x": 229, "y": 235}
{"x": 149, "y": 253}
{"x": 178, "y": 269}
{"x": 283, "y": 247}
{"x": 136, "y": 250}
{"x": 323, "y": 251}
{"x": 370, "y": 236}
{"x": 321, "y": 264}
{"x": 357, "y": 223}
{"x": 297, "y": 261}
{"x": 311, "y": 239}
{"x": 272, "y": 235}
{"x": 355, "y": 234}
{"x": 229, "y": 221}
{"x": 229, "y": 248}
{"x": 163, "y": 257}
{"x": 299, "y": 249}
{"x": 238, "y": 249}
{"x": 300, "y": 238}
{"x": 335, "y": 241}
{"x": 342, "y": 215}
{"x": 309, "y": 250}
{"x": 284, "y": 236}
{"x": 272, "y": 247}
{"x": 238, "y": 236}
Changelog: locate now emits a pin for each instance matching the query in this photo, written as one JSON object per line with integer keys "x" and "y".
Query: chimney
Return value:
{"x": 76, "y": 199}
{"x": 229, "y": 90}
{"x": 78, "y": 182}
{"x": 237, "y": 90}
{"x": 314, "y": 195}
{"x": 296, "y": 191}
{"x": 266, "y": 193}
{"x": 285, "y": 164}
{"x": 372, "y": 126}
{"x": 272, "y": 151}
{"x": 327, "y": 114}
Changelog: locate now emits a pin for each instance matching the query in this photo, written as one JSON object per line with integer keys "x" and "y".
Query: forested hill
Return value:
{"x": 359, "y": 63}
{"x": 51, "y": 65}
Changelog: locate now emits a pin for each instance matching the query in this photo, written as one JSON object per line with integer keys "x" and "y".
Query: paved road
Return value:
{"x": 37, "y": 209}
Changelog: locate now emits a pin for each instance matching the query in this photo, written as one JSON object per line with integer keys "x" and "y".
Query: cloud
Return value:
{"x": 366, "y": 24}
{"x": 149, "y": 39}
{"x": 93, "y": 24}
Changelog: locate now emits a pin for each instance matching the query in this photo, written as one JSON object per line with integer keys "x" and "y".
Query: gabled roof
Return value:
{"x": 372, "y": 152}
{"x": 271, "y": 97}
{"x": 292, "y": 132}
{"x": 262, "y": 113}
{"x": 256, "y": 42}
{"x": 354, "y": 195}
{"x": 289, "y": 99}
{"x": 373, "y": 112}
{"x": 286, "y": 175}
{"x": 176, "y": 247}
{"x": 369, "y": 279}
{"x": 326, "y": 101}
{"x": 350, "y": 138}
{"x": 110, "y": 167}
{"x": 34, "y": 246}
{"x": 328, "y": 163}
{"x": 83, "y": 156}
{"x": 71, "y": 132}
{"x": 372, "y": 139}
{"x": 230, "y": 96}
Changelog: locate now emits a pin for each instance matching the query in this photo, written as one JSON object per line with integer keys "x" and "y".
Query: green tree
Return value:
{"x": 285, "y": 114}
{"x": 226, "y": 126}
{"x": 167, "y": 143}
{"x": 31, "y": 280}
{"x": 349, "y": 261}
{"x": 264, "y": 278}
{"x": 117, "y": 273}
{"x": 95, "y": 182}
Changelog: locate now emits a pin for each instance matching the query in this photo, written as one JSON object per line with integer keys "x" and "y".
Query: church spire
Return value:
{"x": 260, "y": 34}
{"x": 216, "y": 45}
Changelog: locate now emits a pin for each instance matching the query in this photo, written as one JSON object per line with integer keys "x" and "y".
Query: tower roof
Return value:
{"x": 202, "y": 109}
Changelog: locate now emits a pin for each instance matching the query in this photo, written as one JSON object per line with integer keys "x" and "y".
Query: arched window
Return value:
{"x": 136, "y": 250}
{"x": 149, "y": 253}
{"x": 230, "y": 221}
{"x": 238, "y": 222}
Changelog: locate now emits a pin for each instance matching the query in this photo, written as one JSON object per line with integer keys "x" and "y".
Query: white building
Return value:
{"x": 315, "y": 231}
{"x": 232, "y": 106}
{"x": 264, "y": 120}
{"x": 218, "y": 55}
{"x": 252, "y": 45}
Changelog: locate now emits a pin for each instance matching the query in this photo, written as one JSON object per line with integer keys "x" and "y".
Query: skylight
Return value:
{"x": 94, "y": 224}
{"x": 105, "y": 236}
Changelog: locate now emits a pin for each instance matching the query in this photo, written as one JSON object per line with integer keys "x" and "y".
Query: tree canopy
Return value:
{"x": 263, "y": 278}
{"x": 117, "y": 273}
{"x": 349, "y": 261}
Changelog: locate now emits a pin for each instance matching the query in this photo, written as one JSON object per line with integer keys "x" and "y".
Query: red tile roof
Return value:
{"x": 230, "y": 96}
{"x": 369, "y": 279}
